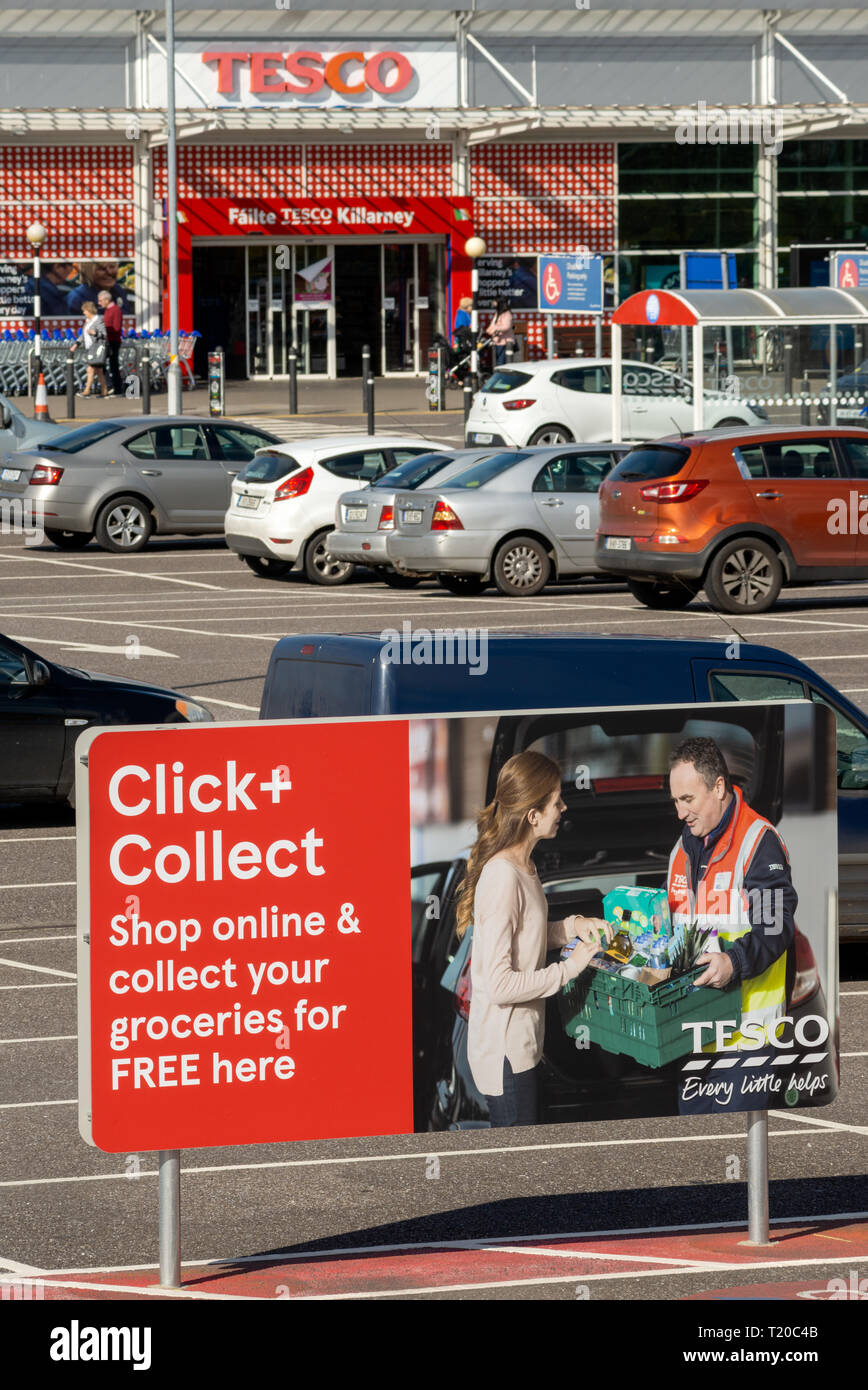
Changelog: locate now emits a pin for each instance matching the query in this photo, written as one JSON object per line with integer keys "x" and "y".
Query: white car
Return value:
{"x": 283, "y": 501}
{"x": 569, "y": 398}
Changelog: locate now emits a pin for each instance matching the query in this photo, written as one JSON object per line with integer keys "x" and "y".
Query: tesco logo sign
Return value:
{"x": 306, "y": 72}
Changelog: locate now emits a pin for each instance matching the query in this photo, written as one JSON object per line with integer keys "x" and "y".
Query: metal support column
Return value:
{"x": 174, "y": 383}
{"x": 170, "y": 1218}
{"x": 758, "y": 1177}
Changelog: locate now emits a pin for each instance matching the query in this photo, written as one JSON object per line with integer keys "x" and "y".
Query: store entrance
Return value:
{"x": 357, "y": 307}
{"x": 218, "y": 307}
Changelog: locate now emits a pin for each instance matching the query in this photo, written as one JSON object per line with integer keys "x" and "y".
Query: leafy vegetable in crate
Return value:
{"x": 688, "y": 947}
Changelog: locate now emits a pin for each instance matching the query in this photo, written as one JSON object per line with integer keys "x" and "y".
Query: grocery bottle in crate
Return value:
{"x": 621, "y": 947}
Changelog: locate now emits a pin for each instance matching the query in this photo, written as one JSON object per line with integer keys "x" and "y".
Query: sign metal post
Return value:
{"x": 757, "y": 1177}
{"x": 170, "y": 1218}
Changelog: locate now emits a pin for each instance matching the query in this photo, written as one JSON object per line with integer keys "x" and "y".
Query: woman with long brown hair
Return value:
{"x": 504, "y": 898}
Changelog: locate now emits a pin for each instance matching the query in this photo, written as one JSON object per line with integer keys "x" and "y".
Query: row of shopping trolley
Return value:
{"x": 16, "y": 360}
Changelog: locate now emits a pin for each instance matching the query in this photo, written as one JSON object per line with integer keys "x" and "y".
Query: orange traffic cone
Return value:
{"x": 40, "y": 410}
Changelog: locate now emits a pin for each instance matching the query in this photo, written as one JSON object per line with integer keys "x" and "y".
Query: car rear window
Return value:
{"x": 364, "y": 464}
{"x": 506, "y": 380}
{"x": 414, "y": 472}
{"x": 267, "y": 468}
{"x": 651, "y": 461}
{"x": 482, "y": 473}
{"x": 75, "y": 440}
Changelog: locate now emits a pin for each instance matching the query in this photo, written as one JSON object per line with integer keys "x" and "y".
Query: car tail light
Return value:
{"x": 669, "y": 538}
{"x": 463, "y": 992}
{"x": 46, "y": 473}
{"x": 445, "y": 519}
{"x": 387, "y": 519}
{"x": 807, "y": 980}
{"x": 295, "y": 486}
{"x": 673, "y": 492}
{"x": 521, "y": 404}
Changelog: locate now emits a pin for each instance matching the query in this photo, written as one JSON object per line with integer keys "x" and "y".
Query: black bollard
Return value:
{"x": 293, "y": 380}
{"x": 366, "y": 372}
{"x": 510, "y": 353}
{"x": 145, "y": 378}
{"x": 70, "y": 387}
{"x": 805, "y": 418}
{"x": 468, "y": 399}
{"x": 370, "y": 404}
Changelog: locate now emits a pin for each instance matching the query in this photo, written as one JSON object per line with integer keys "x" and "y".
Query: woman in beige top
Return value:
{"x": 511, "y": 934}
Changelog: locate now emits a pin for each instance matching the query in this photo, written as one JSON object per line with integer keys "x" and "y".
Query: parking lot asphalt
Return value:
{"x": 187, "y": 614}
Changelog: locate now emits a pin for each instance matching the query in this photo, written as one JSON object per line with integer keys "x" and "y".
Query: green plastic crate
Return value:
{"x": 644, "y": 1021}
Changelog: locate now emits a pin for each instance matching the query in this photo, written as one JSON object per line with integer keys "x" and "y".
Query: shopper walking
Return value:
{"x": 93, "y": 337}
{"x": 113, "y": 319}
{"x": 500, "y": 331}
{"x": 503, "y": 896}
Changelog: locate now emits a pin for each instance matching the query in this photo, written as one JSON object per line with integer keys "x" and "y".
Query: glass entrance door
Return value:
{"x": 399, "y": 308}
{"x": 312, "y": 340}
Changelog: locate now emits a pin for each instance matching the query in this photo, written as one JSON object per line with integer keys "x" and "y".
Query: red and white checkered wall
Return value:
{"x": 319, "y": 171}
{"x": 534, "y": 198}
{"x": 83, "y": 195}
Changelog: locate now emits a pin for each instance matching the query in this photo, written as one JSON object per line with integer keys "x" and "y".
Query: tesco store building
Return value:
{"x": 333, "y": 163}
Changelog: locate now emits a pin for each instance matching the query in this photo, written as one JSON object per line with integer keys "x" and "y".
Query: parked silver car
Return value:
{"x": 17, "y": 431}
{"x": 520, "y": 518}
{"x": 121, "y": 480}
{"x": 364, "y": 517}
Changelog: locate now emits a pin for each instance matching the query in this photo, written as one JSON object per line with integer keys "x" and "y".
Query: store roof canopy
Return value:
{"x": 819, "y": 304}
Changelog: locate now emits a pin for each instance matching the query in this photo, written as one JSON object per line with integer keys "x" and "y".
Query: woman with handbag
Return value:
{"x": 504, "y": 898}
{"x": 94, "y": 339}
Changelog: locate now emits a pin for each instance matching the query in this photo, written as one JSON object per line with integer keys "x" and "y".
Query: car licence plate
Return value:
{"x": 411, "y": 518}
{"x": 250, "y": 502}
{"x": 10, "y": 475}
{"x": 356, "y": 513}
{"x": 618, "y": 543}
{"x": 482, "y": 438}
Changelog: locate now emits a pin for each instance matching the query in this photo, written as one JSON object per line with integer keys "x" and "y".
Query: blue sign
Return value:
{"x": 850, "y": 270}
{"x": 571, "y": 284}
{"x": 703, "y": 270}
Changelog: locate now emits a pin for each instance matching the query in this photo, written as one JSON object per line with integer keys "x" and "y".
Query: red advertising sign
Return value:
{"x": 247, "y": 976}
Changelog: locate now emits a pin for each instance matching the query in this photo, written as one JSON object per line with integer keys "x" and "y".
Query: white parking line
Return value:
{"x": 230, "y": 704}
{"x": 824, "y": 1124}
{"x": 671, "y": 1272}
{"x": 18, "y": 940}
{"x": 726, "y": 1138}
{"x": 33, "y": 1105}
{"x": 61, "y": 1037}
{"x": 101, "y": 569}
{"x": 31, "y": 839}
{"x": 41, "y": 969}
{"x": 61, "y": 883}
{"x": 58, "y": 985}
{"x": 475, "y": 1243}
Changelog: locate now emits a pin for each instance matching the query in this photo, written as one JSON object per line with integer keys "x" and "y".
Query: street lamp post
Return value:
{"x": 36, "y": 235}
{"x": 474, "y": 247}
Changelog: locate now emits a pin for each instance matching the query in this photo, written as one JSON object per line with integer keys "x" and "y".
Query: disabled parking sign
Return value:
{"x": 571, "y": 284}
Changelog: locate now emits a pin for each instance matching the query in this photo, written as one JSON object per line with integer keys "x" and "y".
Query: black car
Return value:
{"x": 44, "y": 707}
{"x": 620, "y": 830}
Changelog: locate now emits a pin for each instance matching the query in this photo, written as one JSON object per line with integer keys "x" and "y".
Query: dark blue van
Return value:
{"x": 330, "y": 676}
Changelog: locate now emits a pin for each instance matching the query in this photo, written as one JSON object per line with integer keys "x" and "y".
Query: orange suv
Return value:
{"x": 736, "y": 512}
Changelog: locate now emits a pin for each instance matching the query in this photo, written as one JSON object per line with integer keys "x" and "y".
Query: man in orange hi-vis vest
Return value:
{"x": 730, "y": 871}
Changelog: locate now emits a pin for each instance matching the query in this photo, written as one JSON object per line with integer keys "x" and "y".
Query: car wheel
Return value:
{"x": 730, "y": 424}
{"x": 674, "y": 594}
{"x": 266, "y": 568}
{"x": 396, "y": 580}
{"x": 464, "y": 585}
{"x": 68, "y": 540}
{"x": 745, "y": 576}
{"x": 551, "y": 434}
{"x": 321, "y": 567}
{"x": 124, "y": 525}
{"x": 522, "y": 567}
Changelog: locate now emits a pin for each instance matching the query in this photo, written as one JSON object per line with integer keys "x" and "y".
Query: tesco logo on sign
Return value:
{"x": 306, "y": 72}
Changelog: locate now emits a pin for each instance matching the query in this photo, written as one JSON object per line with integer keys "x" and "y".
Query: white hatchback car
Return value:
{"x": 283, "y": 501}
{"x": 570, "y": 398}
